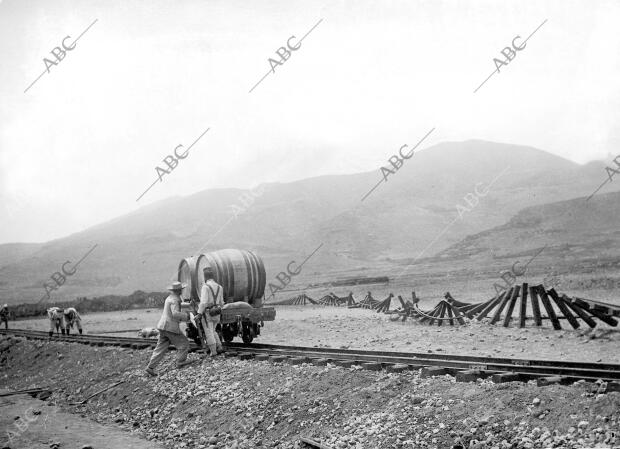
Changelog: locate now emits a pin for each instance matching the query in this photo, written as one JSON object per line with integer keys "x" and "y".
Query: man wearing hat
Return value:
{"x": 211, "y": 301}
{"x": 169, "y": 330}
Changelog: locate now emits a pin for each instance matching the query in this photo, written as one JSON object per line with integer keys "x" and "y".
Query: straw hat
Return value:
{"x": 176, "y": 286}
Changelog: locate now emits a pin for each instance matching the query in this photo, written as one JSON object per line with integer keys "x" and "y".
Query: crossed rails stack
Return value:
{"x": 526, "y": 302}
{"x": 370, "y": 303}
{"x": 542, "y": 304}
{"x": 299, "y": 300}
{"x": 443, "y": 312}
{"x": 333, "y": 300}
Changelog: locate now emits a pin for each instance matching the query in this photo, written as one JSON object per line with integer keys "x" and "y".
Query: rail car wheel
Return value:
{"x": 228, "y": 332}
{"x": 247, "y": 335}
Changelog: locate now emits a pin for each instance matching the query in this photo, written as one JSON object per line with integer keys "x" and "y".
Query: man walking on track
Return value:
{"x": 210, "y": 310}
{"x": 169, "y": 330}
{"x": 72, "y": 317}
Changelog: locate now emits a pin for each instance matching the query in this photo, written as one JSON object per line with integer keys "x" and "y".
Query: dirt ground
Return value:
{"x": 229, "y": 403}
{"x": 365, "y": 329}
{"x": 28, "y": 423}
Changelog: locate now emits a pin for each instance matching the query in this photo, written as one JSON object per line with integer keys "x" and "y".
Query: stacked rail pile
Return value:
{"x": 521, "y": 303}
{"x": 542, "y": 305}
{"x": 329, "y": 300}
{"x": 333, "y": 300}
{"x": 384, "y": 306}
{"x": 443, "y": 312}
{"x": 299, "y": 300}
{"x": 367, "y": 303}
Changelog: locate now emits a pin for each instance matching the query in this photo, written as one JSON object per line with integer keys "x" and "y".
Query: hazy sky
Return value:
{"x": 83, "y": 142}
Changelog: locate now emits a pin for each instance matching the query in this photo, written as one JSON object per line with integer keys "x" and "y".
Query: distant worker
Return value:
{"x": 4, "y": 315}
{"x": 72, "y": 317}
{"x": 210, "y": 307}
{"x": 56, "y": 320}
{"x": 169, "y": 330}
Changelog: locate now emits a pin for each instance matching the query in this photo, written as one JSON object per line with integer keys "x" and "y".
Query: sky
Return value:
{"x": 83, "y": 142}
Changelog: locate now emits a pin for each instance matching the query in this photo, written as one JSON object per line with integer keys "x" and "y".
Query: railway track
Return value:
{"x": 463, "y": 367}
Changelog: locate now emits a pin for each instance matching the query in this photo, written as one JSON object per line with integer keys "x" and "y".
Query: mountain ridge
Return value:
{"x": 141, "y": 249}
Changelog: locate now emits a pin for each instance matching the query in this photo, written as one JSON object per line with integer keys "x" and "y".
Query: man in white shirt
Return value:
{"x": 211, "y": 300}
{"x": 72, "y": 317}
{"x": 56, "y": 320}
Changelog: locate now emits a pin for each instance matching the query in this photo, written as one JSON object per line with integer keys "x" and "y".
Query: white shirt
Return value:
{"x": 206, "y": 297}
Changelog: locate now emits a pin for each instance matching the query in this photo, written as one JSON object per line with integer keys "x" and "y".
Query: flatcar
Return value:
{"x": 241, "y": 274}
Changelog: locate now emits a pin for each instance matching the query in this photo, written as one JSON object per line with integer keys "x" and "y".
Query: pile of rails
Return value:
{"x": 372, "y": 304}
{"x": 332, "y": 300}
{"x": 555, "y": 307}
{"x": 299, "y": 300}
{"x": 443, "y": 312}
{"x": 532, "y": 303}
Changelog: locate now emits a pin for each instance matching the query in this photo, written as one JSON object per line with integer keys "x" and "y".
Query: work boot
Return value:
{"x": 80, "y": 330}
{"x": 67, "y": 331}
{"x": 151, "y": 372}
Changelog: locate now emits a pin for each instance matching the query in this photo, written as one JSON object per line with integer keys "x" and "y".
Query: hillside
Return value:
{"x": 578, "y": 229}
{"x": 289, "y": 220}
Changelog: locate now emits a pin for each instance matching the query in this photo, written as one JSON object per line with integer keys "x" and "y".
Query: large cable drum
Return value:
{"x": 241, "y": 273}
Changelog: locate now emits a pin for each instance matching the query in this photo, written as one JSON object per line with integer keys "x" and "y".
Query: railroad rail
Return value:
{"x": 464, "y": 367}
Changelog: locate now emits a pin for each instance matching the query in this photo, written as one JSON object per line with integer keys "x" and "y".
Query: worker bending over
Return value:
{"x": 169, "y": 330}
{"x": 56, "y": 320}
{"x": 210, "y": 307}
{"x": 72, "y": 317}
{"x": 4, "y": 315}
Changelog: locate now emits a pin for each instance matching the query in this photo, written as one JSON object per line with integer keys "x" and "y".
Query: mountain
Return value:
{"x": 418, "y": 210}
{"x": 573, "y": 231}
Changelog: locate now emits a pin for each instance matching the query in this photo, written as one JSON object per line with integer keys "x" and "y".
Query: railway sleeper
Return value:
{"x": 372, "y": 366}
{"x": 613, "y": 386}
{"x": 430, "y": 371}
{"x": 345, "y": 363}
{"x": 471, "y": 375}
{"x": 319, "y": 362}
{"x": 500, "y": 378}
{"x": 398, "y": 368}
{"x": 297, "y": 360}
{"x": 551, "y": 380}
